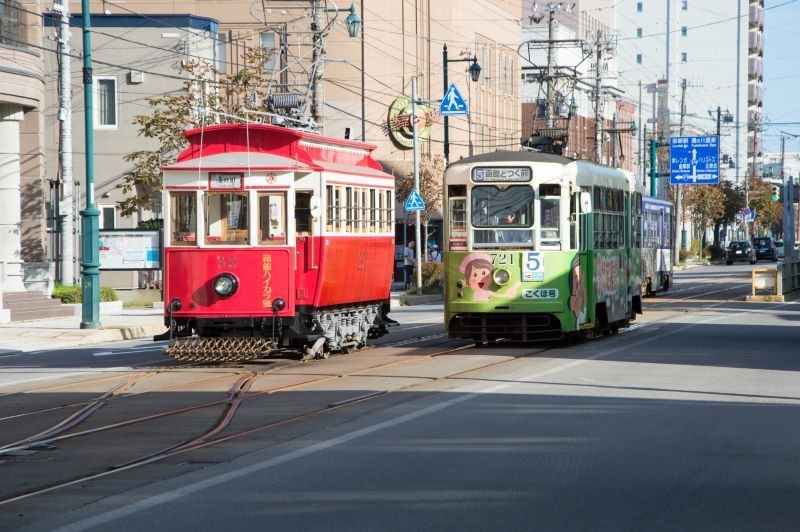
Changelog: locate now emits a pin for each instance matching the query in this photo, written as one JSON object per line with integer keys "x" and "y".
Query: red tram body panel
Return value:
{"x": 281, "y": 236}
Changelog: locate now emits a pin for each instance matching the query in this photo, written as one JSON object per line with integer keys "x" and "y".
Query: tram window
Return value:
{"x": 506, "y": 212}
{"x": 458, "y": 224}
{"x": 226, "y": 218}
{"x": 349, "y": 209}
{"x": 364, "y": 210}
{"x": 372, "y": 210}
{"x": 302, "y": 213}
{"x": 334, "y": 202}
{"x": 389, "y": 217}
{"x": 380, "y": 210}
{"x": 549, "y": 222}
{"x": 183, "y": 218}
{"x": 272, "y": 218}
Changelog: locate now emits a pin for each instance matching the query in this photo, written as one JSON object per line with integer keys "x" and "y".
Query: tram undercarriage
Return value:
{"x": 312, "y": 332}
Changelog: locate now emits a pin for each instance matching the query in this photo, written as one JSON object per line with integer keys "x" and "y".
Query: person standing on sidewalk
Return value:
{"x": 409, "y": 260}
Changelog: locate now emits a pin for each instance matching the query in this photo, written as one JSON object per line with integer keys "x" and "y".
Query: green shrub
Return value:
{"x": 108, "y": 294}
{"x": 73, "y": 293}
{"x": 432, "y": 279}
{"x": 67, "y": 293}
{"x": 154, "y": 223}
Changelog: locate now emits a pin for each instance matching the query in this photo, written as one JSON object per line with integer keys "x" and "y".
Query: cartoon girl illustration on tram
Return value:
{"x": 477, "y": 270}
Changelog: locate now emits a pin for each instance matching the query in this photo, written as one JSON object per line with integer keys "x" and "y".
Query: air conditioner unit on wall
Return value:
{"x": 136, "y": 77}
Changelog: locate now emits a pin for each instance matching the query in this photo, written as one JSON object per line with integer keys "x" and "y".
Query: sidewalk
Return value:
{"x": 57, "y": 333}
{"x": 124, "y": 324}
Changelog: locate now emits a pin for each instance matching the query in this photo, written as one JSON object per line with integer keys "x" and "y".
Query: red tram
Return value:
{"x": 275, "y": 238}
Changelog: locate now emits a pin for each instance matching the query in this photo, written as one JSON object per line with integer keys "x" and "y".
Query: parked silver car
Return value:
{"x": 779, "y": 248}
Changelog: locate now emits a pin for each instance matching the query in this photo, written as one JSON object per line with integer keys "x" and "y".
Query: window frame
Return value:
{"x": 96, "y": 108}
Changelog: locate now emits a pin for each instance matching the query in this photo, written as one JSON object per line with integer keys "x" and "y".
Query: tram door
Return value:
{"x": 303, "y": 223}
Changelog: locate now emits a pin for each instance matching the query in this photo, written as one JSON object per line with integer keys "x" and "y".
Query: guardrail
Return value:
{"x": 790, "y": 274}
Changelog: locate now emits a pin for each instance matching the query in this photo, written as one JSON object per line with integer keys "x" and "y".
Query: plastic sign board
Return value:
{"x": 414, "y": 202}
{"x": 453, "y": 102}
{"x": 125, "y": 249}
{"x": 694, "y": 160}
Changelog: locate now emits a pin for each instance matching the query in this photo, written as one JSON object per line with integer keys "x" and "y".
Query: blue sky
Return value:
{"x": 781, "y": 73}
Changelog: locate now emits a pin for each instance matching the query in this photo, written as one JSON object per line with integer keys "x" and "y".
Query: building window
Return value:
{"x": 684, "y": 31}
{"x": 10, "y": 28}
{"x": 639, "y": 32}
{"x": 108, "y": 217}
{"x": 105, "y": 109}
{"x": 638, "y": 59}
{"x": 685, "y": 5}
{"x": 268, "y": 44}
{"x": 221, "y": 51}
{"x": 639, "y": 7}
{"x": 684, "y": 57}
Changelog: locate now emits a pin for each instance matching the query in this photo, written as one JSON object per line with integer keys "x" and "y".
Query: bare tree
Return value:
{"x": 228, "y": 97}
{"x": 707, "y": 203}
{"x": 431, "y": 175}
{"x": 769, "y": 214}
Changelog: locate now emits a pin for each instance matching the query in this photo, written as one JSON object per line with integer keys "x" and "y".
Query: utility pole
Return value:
{"x": 598, "y": 102}
{"x": 680, "y": 244}
{"x": 66, "y": 213}
{"x": 317, "y": 65}
{"x": 602, "y": 46}
{"x": 551, "y": 35}
{"x": 418, "y": 221}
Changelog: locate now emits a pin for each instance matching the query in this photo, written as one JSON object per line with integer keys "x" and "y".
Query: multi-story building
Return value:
{"x": 134, "y": 58}
{"x": 709, "y": 54}
{"x": 350, "y": 86}
{"x": 22, "y": 171}
{"x": 363, "y": 82}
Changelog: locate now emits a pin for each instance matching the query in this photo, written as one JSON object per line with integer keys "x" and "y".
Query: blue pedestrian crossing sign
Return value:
{"x": 414, "y": 201}
{"x": 453, "y": 102}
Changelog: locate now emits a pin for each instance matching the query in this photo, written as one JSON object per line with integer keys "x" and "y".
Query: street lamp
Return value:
{"x": 474, "y": 74}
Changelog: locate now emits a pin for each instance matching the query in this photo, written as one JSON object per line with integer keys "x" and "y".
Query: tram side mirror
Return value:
{"x": 586, "y": 202}
{"x": 313, "y": 205}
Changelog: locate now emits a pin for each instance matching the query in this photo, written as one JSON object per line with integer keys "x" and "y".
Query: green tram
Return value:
{"x": 540, "y": 247}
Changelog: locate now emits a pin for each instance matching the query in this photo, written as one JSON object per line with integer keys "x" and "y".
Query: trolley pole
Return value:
{"x": 90, "y": 216}
{"x": 417, "y": 231}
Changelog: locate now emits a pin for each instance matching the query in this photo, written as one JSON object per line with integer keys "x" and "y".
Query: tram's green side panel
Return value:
{"x": 552, "y": 282}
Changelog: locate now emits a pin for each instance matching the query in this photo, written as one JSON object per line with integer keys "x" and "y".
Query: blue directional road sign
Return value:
{"x": 694, "y": 160}
{"x": 453, "y": 102}
{"x": 414, "y": 201}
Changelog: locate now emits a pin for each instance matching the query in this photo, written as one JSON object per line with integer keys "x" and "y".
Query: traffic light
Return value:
{"x": 776, "y": 193}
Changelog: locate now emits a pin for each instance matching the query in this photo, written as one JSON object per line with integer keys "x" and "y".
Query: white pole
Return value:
{"x": 417, "y": 231}
{"x": 67, "y": 269}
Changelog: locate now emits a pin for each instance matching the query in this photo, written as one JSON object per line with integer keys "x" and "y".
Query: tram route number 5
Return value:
{"x": 533, "y": 266}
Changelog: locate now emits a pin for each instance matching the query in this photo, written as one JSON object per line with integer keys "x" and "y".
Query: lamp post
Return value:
{"x": 474, "y": 73}
{"x": 90, "y": 216}
{"x": 353, "y": 24}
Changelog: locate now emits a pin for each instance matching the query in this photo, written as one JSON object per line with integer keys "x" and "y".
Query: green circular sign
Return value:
{"x": 400, "y": 126}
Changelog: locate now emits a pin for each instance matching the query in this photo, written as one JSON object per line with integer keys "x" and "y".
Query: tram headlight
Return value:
{"x": 225, "y": 284}
{"x": 501, "y": 277}
{"x": 279, "y": 304}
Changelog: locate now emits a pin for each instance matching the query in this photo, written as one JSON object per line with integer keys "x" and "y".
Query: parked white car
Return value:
{"x": 779, "y": 248}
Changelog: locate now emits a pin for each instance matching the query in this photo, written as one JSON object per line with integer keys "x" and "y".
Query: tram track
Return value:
{"x": 238, "y": 395}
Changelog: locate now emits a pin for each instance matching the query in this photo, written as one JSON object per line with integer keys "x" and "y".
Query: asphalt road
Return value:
{"x": 686, "y": 421}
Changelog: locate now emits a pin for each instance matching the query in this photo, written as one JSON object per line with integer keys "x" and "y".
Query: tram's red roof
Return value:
{"x": 298, "y": 148}
{"x": 240, "y": 161}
